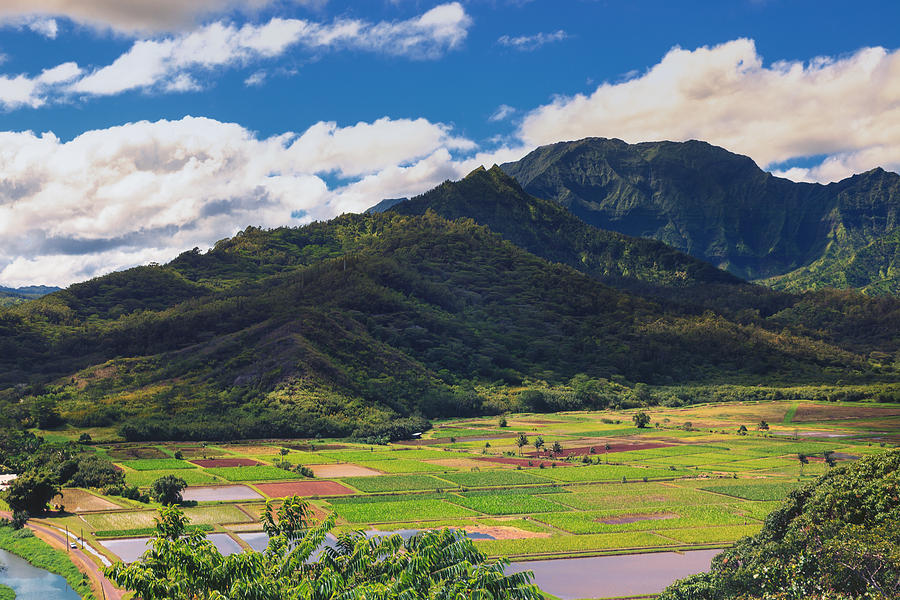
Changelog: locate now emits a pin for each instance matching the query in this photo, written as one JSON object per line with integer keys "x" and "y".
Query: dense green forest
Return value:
{"x": 367, "y": 325}
{"x": 722, "y": 208}
{"x": 836, "y": 538}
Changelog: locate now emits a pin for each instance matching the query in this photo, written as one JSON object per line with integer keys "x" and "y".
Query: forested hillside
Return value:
{"x": 722, "y": 208}
{"x": 352, "y": 325}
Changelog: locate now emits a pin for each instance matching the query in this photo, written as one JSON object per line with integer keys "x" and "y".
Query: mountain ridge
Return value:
{"x": 721, "y": 207}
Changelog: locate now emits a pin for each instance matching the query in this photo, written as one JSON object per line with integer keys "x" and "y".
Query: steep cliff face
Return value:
{"x": 721, "y": 207}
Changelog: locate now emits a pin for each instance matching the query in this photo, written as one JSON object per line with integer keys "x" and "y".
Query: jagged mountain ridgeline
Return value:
{"x": 722, "y": 208}
{"x": 366, "y": 323}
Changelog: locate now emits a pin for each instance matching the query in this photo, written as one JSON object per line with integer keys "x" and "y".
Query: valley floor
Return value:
{"x": 690, "y": 480}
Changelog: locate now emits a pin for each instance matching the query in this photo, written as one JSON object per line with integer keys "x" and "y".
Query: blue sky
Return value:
{"x": 133, "y": 133}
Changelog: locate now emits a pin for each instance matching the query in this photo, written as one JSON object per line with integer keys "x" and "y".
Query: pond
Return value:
{"x": 614, "y": 576}
{"x": 32, "y": 583}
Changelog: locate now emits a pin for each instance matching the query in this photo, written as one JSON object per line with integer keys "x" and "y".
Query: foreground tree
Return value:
{"x": 438, "y": 565}
{"x": 167, "y": 489}
{"x": 835, "y": 539}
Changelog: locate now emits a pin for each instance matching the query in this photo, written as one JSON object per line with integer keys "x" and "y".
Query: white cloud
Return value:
{"x": 45, "y": 27}
{"x": 127, "y": 195}
{"x": 531, "y": 42}
{"x": 155, "y": 63}
{"x": 131, "y": 16}
{"x": 848, "y": 108}
{"x": 503, "y": 112}
{"x": 256, "y": 79}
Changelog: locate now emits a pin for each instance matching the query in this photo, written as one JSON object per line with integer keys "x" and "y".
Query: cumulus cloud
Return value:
{"x": 156, "y": 63}
{"x": 146, "y": 191}
{"x": 21, "y": 90}
{"x": 847, "y": 108}
{"x": 531, "y": 42}
{"x": 130, "y": 16}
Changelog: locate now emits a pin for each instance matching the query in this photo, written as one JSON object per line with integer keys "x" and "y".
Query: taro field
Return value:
{"x": 697, "y": 477}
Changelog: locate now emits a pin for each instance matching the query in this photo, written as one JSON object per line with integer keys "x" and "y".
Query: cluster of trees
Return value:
{"x": 439, "y": 565}
{"x": 43, "y": 468}
{"x": 837, "y": 538}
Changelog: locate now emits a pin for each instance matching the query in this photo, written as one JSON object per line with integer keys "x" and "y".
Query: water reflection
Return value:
{"x": 32, "y": 583}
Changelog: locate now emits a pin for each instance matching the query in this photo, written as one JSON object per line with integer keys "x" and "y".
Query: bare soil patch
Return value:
{"x": 814, "y": 412}
{"x": 342, "y": 470}
{"x": 624, "y": 519}
{"x": 502, "y": 532}
{"x": 252, "y": 449}
{"x": 314, "y": 447}
{"x": 303, "y": 488}
{"x": 78, "y": 501}
{"x": 225, "y": 462}
{"x": 198, "y": 451}
{"x": 125, "y": 453}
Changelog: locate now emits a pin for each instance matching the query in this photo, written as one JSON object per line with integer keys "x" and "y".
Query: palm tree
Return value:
{"x": 522, "y": 440}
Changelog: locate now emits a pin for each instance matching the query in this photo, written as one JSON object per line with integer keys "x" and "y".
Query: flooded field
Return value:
{"x": 614, "y": 576}
{"x": 131, "y": 549}
{"x": 220, "y": 493}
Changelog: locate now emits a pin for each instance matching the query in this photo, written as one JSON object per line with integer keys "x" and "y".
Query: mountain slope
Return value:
{"x": 492, "y": 198}
{"x": 720, "y": 207}
{"x": 350, "y": 324}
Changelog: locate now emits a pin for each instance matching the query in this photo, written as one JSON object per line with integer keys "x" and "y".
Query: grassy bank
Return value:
{"x": 41, "y": 555}
{"x": 7, "y": 593}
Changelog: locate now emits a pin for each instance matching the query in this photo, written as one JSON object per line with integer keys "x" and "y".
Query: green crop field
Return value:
{"x": 508, "y": 504}
{"x": 710, "y": 535}
{"x": 610, "y": 473}
{"x": 495, "y": 478}
{"x": 397, "y": 483}
{"x": 121, "y": 520}
{"x": 560, "y": 544}
{"x": 642, "y": 520}
{"x": 222, "y": 513}
{"x": 755, "y": 491}
{"x": 252, "y": 473}
{"x": 635, "y": 495}
{"x": 402, "y": 465}
{"x": 400, "y": 510}
{"x": 156, "y": 464}
{"x": 190, "y": 476}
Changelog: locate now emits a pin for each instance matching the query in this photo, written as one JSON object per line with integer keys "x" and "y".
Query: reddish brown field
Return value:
{"x": 508, "y": 460}
{"x": 303, "y": 488}
{"x": 225, "y": 462}
{"x": 601, "y": 449}
{"x": 810, "y": 413}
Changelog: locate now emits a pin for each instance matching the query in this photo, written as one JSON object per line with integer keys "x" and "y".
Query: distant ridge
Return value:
{"x": 10, "y": 296}
{"x": 384, "y": 205}
{"x": 721, "y": 207}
